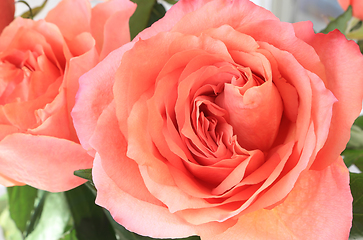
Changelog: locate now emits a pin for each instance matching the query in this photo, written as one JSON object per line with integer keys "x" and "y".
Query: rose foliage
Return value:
{"x": 40, "y": 63}
{"x": 221, "y": 121}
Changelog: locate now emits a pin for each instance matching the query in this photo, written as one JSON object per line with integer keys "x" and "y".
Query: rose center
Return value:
{"x": 254, "y": 110}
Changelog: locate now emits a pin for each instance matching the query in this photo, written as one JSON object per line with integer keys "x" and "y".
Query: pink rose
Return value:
{"x": 357, "y": 6}
{"x": 40, "y": 63}
{"x": 7, "y": 10}
{"x": 221, "y": 121}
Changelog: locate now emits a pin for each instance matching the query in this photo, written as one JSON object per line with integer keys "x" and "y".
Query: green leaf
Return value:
{"x": 340, "y": 22}
{"x": 360, "y": 44}
{"x": 354, "y": 24}
{"x": 359, "y": 122}
{"x": 84, "y": 173}
{"x": 90, "y": 221}
{"x": 32, "y": 12}
{"x": 157, "y": 12}
{"x": 3, "y": 202}
{"x": 11, "y": 232}
{"x": 36, "y": 214}
{"x": 172, "y": 2}
{"x": 71, "y": 235}
{"x": 353, "y": 156}
{"x": 356, "y": 186}
{"x": 357, "y": 34}
{"x": 21, "y": 204}
{"x": 356, "y": 138}
{"x": 140, "y": 19}
{"x": 54, "y": 218}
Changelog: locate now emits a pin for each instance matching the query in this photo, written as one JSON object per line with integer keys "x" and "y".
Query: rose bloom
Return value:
{"x": 357, "y": 6}
{"x": 40, "y": 63}
{"x": 7, "y": 10}
{"x": 221, "y": 121}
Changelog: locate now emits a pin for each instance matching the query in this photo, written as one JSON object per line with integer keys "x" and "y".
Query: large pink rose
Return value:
{"x": 357, "y": 6}
{"x": 221, "y": 121}
{"x": 7, "y": 10}
{"x": 40, "y": 63}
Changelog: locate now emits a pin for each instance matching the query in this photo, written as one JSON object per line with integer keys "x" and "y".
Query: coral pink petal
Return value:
{"x": 6, "y": 130}
{"x": 319, "y": 206}
{"x": 81, "y": 44}
{"x": 7, "y": 182}
{"x": 272, "y": 33}
{"x": 76, "y": 67}
{"x": 111, "y": 147}
{"x": 107, "y": 15}
{"x": 9, "y": 33}
{"x": 136, "y": 215}
{"x": 128, "y": 88}
{"x": 304, "y": 30}
{"x": 281, "y": 188}
{"x": 172, "y": 16}
{"x": 54, "y": 114}
{"x": 72, "y": 17}
{"x": 344, "y": 3}
{"x": 43, "y": 162}
{"x": 345, "y": 75}
{"x": 357, "y": 8}
{"x": 101, "y": 13}
{"x": 7, "y": 10}
{"x": 94, "y": 95}
{"x": 252, "y": 110}
{"x": 233, "y": 13}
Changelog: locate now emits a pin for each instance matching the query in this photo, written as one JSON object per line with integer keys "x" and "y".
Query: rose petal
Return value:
{"x": 111, "y": 146}
{"x": 273, "y": 34}
{"x": 101, "y": 14}
{"x": 52, "y": 160}
{"x": 76, "y": 67}
{"x": 105, "y": 16}
{"x": 7, "y": 182}
{"x": 6, "y": 130}
{"x": 298, "y": 77}
{"x": 9, "y": 33}
{"x": 7, "y": 10}
{"x": 285, "y": 181}
{"x": 53, "y": 114}
{"x": 259, "y": 106}
{"x": 134, "y": 214}
{"x": 344, "y": 78}
{"x": 233, "y": 13}
{"x": 81, "y": 44}
{"x": 128, "y": 88}
{"x": 320, "y": 205}
{"x": 357, "y": 6}
{"x": 304, "y": 30}
{"x": 93, "y": 84}
{"x": 344, "y": 3}
{"x": 75, "y": 17}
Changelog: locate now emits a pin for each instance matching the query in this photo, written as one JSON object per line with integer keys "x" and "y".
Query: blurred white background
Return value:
{"x": 317, "y": 11}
